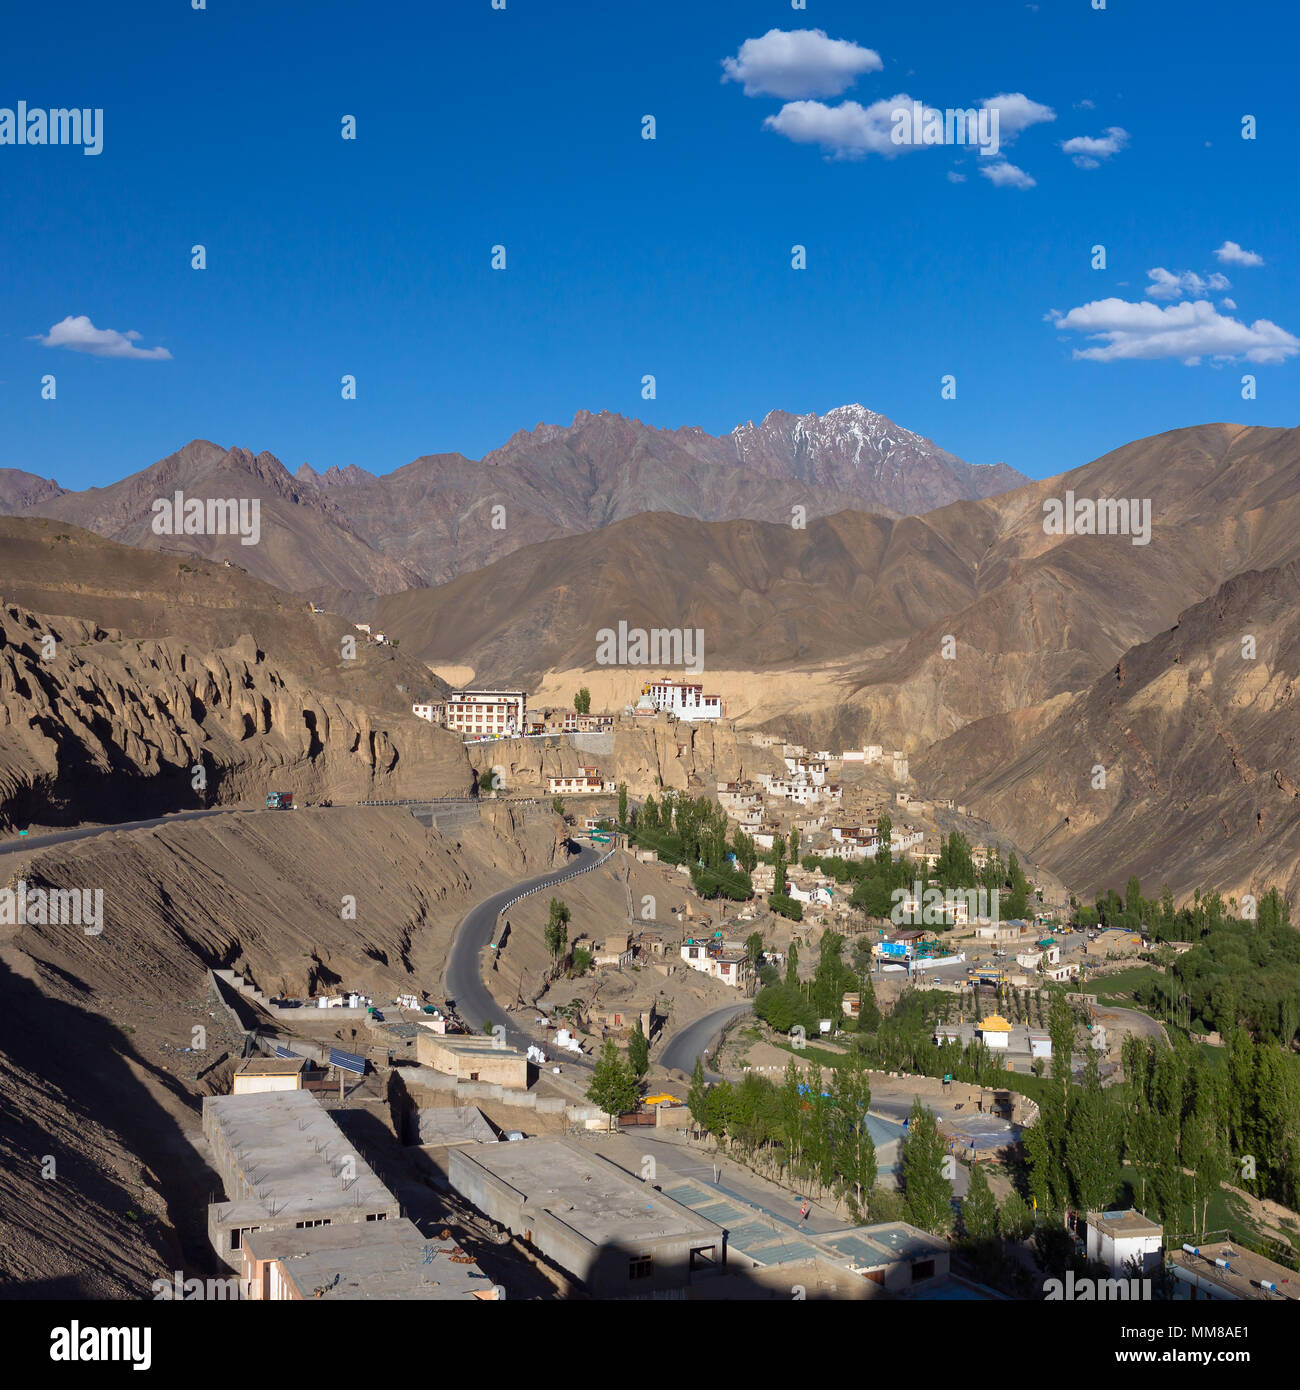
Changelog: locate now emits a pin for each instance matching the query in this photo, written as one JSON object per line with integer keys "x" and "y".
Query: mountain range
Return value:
{"x": 1010, "y": 656}
{"x": 344, "y": 535}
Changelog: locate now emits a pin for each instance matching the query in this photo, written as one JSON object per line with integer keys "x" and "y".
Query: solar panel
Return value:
{"x": 348, "y": 1061}
{"x": 285, "y": 1052}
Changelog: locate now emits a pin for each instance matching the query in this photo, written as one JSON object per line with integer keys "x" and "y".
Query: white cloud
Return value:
{"x": 1227, "y": 304}
{"x": 848, "y": 130}
{"x": 1089, "y": 150}
{"x": 1004, "y": 175}
{"x": 1232, "y": 254}
{"x": 1190, "y": 331}
{"x": 799, "y": 63}
{"x": 955, "y": 177}
{"x": 1016, "y": 113}
{"x": 1166, "y": 285}
{"x": 1087, "y": 104}
{"x": 80, "y": 335}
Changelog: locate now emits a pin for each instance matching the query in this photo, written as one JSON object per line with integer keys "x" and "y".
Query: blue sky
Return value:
{"x": 628, "y": 257}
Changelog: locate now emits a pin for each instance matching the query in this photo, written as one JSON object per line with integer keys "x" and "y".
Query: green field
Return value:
{"x": 1118, "y": 988}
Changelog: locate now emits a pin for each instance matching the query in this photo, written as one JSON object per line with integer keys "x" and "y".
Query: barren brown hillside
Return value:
{"x": 858, "y": 606}
{"x": 93, "y": 1070}
{"x": 1200, "y": 742}
{"x": 105, "y": 729}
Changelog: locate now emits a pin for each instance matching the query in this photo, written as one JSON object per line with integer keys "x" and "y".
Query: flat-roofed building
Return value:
{"x": 470, "y": 1057}
{"x": 586, "y": 780}
{"x": 614, "y": 1233}
{"x": 390, "y": 1261}
{"x": 1116, "y": 1238}
{"x": 285, "y": 1165}
{"x": 256, "y": 1074}
{"x": 486, "y": 711}
{"x": 1224, "y": 1271}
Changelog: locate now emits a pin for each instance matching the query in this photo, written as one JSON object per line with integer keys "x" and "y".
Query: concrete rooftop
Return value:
{"x": 589, "y": 1194}
{"x": 292, "y": 1157}
{"x": 371, "y": 1260}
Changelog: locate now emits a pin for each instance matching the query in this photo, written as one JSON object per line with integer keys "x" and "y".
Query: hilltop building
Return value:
{"x": 486, "y": 711}
{"x": 682, "y": 698}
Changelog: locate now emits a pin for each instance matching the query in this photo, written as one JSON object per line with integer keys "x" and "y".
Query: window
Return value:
{"x": 377, "y": 1216}
{"x": 922, "y": 1269}
{"x": 310, "y": 1225}
{"x": 238, "y": 1234}
{"x": 473, "y": 1076}
{"x": 641, "y": 1267}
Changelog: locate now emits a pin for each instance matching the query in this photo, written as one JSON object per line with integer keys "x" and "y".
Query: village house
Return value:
{"x": 486, "y": 711}
{"x": 683, "y": 699}
{"x": 617, "y": 951}
{"x": 725, "y": 961}
{"x": 585, "y": 781}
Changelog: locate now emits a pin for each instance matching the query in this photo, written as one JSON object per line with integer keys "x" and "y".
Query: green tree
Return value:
{"x": 582, "y": 701}
{"x": 697, "y": 1096}
{"x": 925, "y": 1185}
{"x": 979, "y": 1208}
{"x": 1015, "y": 1220}
{"x": 613, "y": 1083}
{"x": 622, "y": 803}
{"x": 1093, "y": 1143}
{"x": 638, "y": 1051}
{"x": 557, "y": 930}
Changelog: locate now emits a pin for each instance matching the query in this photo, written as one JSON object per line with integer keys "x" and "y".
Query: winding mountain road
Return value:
{"x": 694, "y": 1040}
{"x": 466, "y": 963}
{"x": 63, "y": 837}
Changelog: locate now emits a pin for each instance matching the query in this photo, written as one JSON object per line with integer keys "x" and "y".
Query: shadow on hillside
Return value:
{"x": 90, "y": 1061}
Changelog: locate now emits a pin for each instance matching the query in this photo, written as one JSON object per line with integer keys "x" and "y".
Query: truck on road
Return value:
{"x": 279, "y": 801}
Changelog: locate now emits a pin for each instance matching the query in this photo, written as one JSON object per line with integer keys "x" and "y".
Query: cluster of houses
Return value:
{"x": 504, "y": 713}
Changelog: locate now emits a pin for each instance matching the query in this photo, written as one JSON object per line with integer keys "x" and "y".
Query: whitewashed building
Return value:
{"x": 683, "y": 699}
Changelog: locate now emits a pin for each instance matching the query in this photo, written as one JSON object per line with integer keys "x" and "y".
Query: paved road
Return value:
{"x": 63, "y": 837}
{"x": 21, "y": 844}
{"x": 694, "y": 1040}
{"x": 467, "y": 959}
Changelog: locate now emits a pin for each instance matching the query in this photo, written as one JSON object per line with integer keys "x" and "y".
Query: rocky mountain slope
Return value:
{"x": 95, "y": 1067}
{"x": 903, "y": 628}
{"x": 1197, "y": 736}
{"x": 856, "y": 451}
{"x": 203, "y": 667}
{"x": 343, "y": 534}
